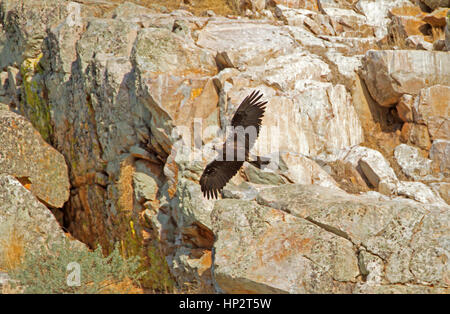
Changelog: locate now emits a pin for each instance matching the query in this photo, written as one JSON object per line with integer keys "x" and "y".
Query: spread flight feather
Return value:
{"x": 247, "y": 117}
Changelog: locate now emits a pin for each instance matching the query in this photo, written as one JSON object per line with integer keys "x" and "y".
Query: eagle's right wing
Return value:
{"x": 250, "y": 112}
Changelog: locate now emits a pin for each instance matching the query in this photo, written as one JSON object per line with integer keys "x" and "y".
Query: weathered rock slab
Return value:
{"x": 263, "y": 250}
{"x": 432, "y": 108}
{"x": 406, "y": 236}
{"x": 25, "y": 155}
{"x": 23, "y": 216}
{"x": 389, "y": 74}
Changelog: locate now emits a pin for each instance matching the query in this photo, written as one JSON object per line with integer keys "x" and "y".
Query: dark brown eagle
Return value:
{"x": 246, "y": 124}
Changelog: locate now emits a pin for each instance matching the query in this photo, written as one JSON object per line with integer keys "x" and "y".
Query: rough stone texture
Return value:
{"x": 373, "y": 117}
{"x": 22, "y": 213}
{"x": 437, "y": 17}
{"x": 258, "y": 176}
{"x": 194, "y": 265}
{"x": 398, "y": 289}
{"x": 117, "y": 90}
{"x": 317, "y": 106}
{"x": 407, "y": 22}
{"x": 263, "y": 250}
{"x": 433, "y": 109}
{"x": 4, "y": 279}
{"x": 440, "y": 153}
{"x": 369, "y": 167}
{"x": 300, "y": 169}
{"x": 241, "y": 41}
{"x": 417, "y": 42}
{"x": 404, "y": 108}
{"x": 434, "y": 4}
{"x": 145, "y": 187}
{"x": 377, "y": 13}
{"x": 24, "y": 39}
{"x": 416, "y": 134}
{"x": 245, "y": 190}
{"x": 287, "y": 167}
{"x": 419, "y": 192}
{"x": 299, "y": 4}
{"x": 439, "y": 45}
{"x": 26, "y": 156}
{"x": 330, "y": 21}
{"x": 412, "y": 163}
{"x": 399, "y": 235}
{"x": 377, "y": 169}
{"x": 447, "y": 32}
{"x": 389, "y": 74}
{"x": 193, "y": 207}
{"x": 442, "y": 189}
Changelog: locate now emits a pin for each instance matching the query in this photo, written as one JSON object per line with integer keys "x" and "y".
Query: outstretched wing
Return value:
{"x": 216, "y": 175}
{"x": 250, "y": 112}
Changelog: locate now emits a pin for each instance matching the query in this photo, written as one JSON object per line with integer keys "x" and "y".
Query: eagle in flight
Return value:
{"x": 246, "y": 124}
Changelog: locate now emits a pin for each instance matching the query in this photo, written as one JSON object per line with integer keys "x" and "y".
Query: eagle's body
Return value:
{"x": 247, "y": 123}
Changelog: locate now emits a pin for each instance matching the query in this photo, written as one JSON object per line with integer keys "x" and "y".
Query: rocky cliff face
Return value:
{"x": 357, "y": 118}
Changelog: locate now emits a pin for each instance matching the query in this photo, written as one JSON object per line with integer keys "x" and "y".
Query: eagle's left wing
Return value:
{"x": 216, "y": 175}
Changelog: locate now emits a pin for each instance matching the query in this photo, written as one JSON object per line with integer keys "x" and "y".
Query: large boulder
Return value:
{"x": 306, "y": 238}
{"x": 165, "y": 60}
{"x": 24, "y": 219}
{"x": 263, "y": 250}
{"x": 26, "y": 156}
{"x": 25, "y": 39}
{"x": 376, "y": 171}
{"x": 413, "y": 164}
{"x": 419, "y": 192}
{"x": 416, "y": 134}
{"x": 433, "y": 110}
{"x": 440, "y": 153}
{"x": 244, "y": 43}
{"x": 407, "y": 22}
{"x": 369, "y": 163}
{"x": 442, "y": 189}
{"x": 317, "y": 116}
{"x": 389, "y": 74}
{"x": 378, "y": 11}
